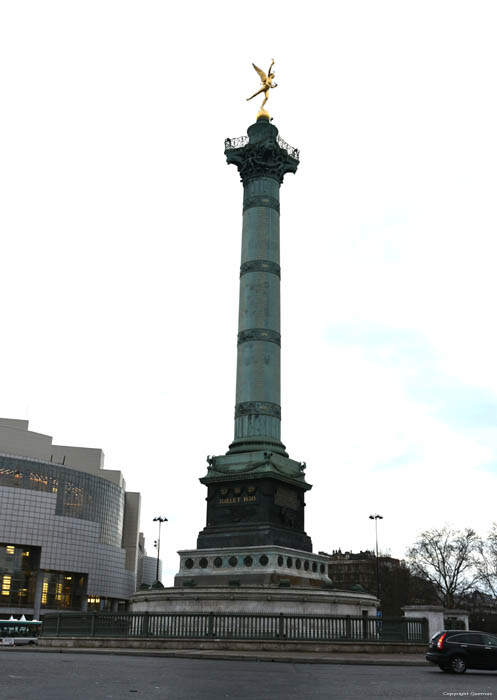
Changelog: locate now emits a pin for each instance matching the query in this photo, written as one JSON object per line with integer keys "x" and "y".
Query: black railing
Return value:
{"x": 237, "y": 142}
{"x": 242, "y": 141}
{"x": 255, "y": 626}
{"x": 294, "y": 152}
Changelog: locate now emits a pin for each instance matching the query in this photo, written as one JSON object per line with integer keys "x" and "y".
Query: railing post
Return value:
{"x": 281, "y": 626}
{"x": 210, "y": 629}
{"x": 365, "y": 619}
{"x": 405, "y": 631}
{"x": 92, "y": 624}
{"x": 57, "y": 625}
{"x": 348, "y": 627}
{"x": 145, "y": 625}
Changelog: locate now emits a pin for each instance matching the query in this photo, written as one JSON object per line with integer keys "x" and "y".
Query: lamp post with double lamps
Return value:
{"x": 160, "y": 520}
{"x": 377, "y": 517}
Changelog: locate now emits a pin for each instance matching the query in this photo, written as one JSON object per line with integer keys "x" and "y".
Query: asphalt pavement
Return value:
{"x": 31, "y": 675}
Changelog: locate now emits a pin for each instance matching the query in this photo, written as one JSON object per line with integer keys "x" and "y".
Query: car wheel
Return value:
{"x": 445, "y": 669}
{"x": 458, "y": 664}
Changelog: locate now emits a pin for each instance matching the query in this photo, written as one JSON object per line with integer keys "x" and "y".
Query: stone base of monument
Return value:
{"x": 253, "y": 599}
{"x": 268, "y": 565}
{"x": 268, "y": 579}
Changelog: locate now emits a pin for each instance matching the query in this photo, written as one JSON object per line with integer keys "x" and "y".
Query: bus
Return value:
{"x": 16, "y": 632}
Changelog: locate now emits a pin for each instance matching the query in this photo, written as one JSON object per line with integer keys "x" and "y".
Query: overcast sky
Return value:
{"x": 120, "y": 231}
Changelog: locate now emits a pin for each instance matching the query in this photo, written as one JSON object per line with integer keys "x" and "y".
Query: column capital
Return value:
{"x": 262, "y": 153}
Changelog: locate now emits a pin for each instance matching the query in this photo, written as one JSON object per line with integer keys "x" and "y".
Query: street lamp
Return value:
{"x": 377, "y": 517}
{"x": 160, "y": 520}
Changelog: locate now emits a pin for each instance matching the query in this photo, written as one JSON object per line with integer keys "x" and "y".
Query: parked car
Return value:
{"x": 456, "y": 650}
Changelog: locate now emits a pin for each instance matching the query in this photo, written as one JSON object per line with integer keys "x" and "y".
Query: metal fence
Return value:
{"x": 314, "y": 628}
{"x": 242, "y": 141}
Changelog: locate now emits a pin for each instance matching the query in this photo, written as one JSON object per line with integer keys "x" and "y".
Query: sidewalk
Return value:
{"x": 270, "y": 656}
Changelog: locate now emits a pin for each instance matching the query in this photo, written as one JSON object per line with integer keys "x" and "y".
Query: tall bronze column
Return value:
{"x": 255, "y": 491}
{"x": 262, "y": 164}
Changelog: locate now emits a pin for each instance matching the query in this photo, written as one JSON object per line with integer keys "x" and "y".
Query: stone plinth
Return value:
{"x": 253, "y": 599}
{"x": 439, "y": 618}
{"x": 433, "y": 613}
{"x": 241, "y": 566}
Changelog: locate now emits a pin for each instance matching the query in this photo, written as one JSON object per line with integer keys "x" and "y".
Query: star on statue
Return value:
{"x": 267, "y": 84}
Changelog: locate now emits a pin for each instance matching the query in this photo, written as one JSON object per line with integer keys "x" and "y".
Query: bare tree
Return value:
{"x": 448, "y": 559}
{"x": 487, "y": 563}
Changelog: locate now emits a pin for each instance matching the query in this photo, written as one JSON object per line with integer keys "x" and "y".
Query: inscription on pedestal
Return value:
{"x": 236, "y": 500}
{"x": 236, "y": 496}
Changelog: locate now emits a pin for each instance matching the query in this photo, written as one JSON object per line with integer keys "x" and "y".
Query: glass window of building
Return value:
{"x": 18, "y": 570}
{"x": 62, "y": 590}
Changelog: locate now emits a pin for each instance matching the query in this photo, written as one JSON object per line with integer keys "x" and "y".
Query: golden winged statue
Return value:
{"x": 267, "y": 84}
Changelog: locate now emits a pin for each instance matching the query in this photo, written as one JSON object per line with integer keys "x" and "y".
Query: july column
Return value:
{"x": 262, "y": 163}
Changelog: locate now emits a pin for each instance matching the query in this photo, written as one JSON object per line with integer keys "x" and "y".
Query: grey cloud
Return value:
{"x": 458, "y": 404}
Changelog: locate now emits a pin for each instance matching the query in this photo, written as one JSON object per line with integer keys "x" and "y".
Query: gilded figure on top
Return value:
{"x": 267, "y": 84}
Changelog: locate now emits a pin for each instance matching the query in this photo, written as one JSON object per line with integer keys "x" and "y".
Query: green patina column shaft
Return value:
{"x": 262, "y": 160}
{"x": 256, "y": 492}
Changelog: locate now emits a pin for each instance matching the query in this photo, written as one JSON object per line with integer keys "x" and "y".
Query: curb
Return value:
{"x": 235, "y": 656}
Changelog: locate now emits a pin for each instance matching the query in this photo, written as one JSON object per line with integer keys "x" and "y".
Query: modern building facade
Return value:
{"x": 149, "y": 570}
{"x": 69, "y": 530}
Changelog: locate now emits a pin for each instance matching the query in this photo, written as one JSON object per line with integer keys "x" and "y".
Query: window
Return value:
{"x": 465, "y": 638}
{"x": 18, "y": 566}
{"x": 6, "y": 581}
{"x": 44, "y": 591}
{"x": 62, "y": 590}
{"x": 93, "y": 602}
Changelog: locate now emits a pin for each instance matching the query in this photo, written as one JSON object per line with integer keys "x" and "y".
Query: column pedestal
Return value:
{"x": 255, "y": 499}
